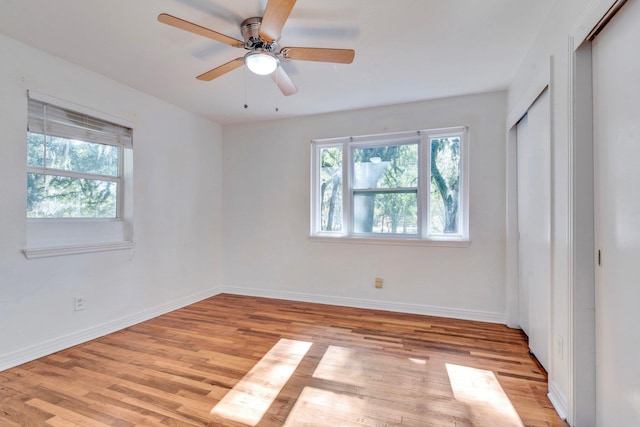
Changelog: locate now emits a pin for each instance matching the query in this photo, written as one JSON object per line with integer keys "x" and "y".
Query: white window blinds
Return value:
{"x": 52, "y": 120}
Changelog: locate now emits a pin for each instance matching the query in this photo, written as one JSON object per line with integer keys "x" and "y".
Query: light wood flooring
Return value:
{"x": 244, "y": 361}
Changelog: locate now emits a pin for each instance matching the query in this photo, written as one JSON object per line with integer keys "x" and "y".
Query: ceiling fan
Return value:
{"x": 261, "y": 35}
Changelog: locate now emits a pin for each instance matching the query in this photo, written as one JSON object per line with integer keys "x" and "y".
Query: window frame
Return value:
{"x": 119, "y": 142}
{"x": 424, "y": 235}
{"x": 50, "y": 237}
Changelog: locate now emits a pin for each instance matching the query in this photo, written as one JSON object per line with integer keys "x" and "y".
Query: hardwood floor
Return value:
{"x": 237, "y": 361}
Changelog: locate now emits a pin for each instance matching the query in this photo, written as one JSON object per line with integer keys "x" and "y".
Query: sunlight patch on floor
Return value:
{"x": 336, "y": 362}
{"x": 373, "y": 371}
{"x": 252, "y": 396}
{"x": 480, "y": 390}
{"x": 326, "y": 408}
{"x": 357, "y": 387}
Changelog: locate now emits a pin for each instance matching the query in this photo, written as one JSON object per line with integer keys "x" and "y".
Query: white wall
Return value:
{"x": 266, "y": 215}
{"x": 177, "y": 215}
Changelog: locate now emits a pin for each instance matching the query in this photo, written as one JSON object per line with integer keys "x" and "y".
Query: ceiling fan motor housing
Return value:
{"x": 250, "y": 29}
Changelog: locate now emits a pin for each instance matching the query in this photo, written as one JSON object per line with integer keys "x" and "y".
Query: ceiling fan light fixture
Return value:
{"x": 261, "y": 63}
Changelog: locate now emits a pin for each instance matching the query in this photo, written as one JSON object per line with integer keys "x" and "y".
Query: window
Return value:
{"x": 79, "y": 189}
{"x": 74, "y": 164}
{"x": 409, "y": 185}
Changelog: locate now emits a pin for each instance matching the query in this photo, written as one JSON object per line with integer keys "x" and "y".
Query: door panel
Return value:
{"x": 534, "y": 225}
{"x": 524, "y": 249}
{"x": 616, "y": 95}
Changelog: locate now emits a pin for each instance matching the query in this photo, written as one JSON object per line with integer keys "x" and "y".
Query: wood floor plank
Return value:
{"x": 362, "y": 368}
{"x": 60, "y": 413}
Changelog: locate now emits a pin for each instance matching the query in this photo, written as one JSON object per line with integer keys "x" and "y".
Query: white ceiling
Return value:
{"x": 406, "y": 50}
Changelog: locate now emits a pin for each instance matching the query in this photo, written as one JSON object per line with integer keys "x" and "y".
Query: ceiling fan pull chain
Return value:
{"x": 246, "y": 105}
{"x": 276, "y": 91}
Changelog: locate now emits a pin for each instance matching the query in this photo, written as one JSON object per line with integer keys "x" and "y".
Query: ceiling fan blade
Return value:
{"x": 284, "y": 82}
{"x": 340, "y": 56}
{"x": 223, "y": 69}
{"x": 197, "y": 29}
{"x": 275, "y": 15}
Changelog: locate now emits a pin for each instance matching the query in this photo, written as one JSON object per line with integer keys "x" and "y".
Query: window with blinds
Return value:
{"x": 74, "y": 163}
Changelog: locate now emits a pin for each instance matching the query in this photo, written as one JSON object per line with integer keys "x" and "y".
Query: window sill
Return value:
{"x": 33, "y": 253}
{"x": 458, "y": 243}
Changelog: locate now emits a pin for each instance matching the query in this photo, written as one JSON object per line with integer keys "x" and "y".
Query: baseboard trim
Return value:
{"x": 558, "y": 400}
{"x": 481, "y": 316}
{"x": 28, "y": 354}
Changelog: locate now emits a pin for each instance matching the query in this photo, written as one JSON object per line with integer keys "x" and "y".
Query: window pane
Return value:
{"x": 386, "y": 213}
{"x": 35, "y": 149}
{"x": 80, "y": 156}
{"x": 53, "y": 196}
{"x": 388, "y": 166}
{"x": 331, "y": 189}
{"x": 445, "y": 185}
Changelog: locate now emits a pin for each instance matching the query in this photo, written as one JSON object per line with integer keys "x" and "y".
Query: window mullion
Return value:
{"x": 315, "y": 184}
{"x": 347, "y": 194}
{"x": 45, "y": 139}
{"x": 424, "y": 171}
{"x": 386, "y": 190}
{"x": 71, "y": 174}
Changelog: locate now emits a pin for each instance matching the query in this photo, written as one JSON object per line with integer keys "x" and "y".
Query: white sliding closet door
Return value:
{"x": 525, "y": 251}
{"x": 616, "y": 108}
{"x": 534, "y": 226}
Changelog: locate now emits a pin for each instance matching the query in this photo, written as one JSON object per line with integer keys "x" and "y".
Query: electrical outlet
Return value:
{"x": 79, "y": 303}
{"x": 378, "y": 282}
